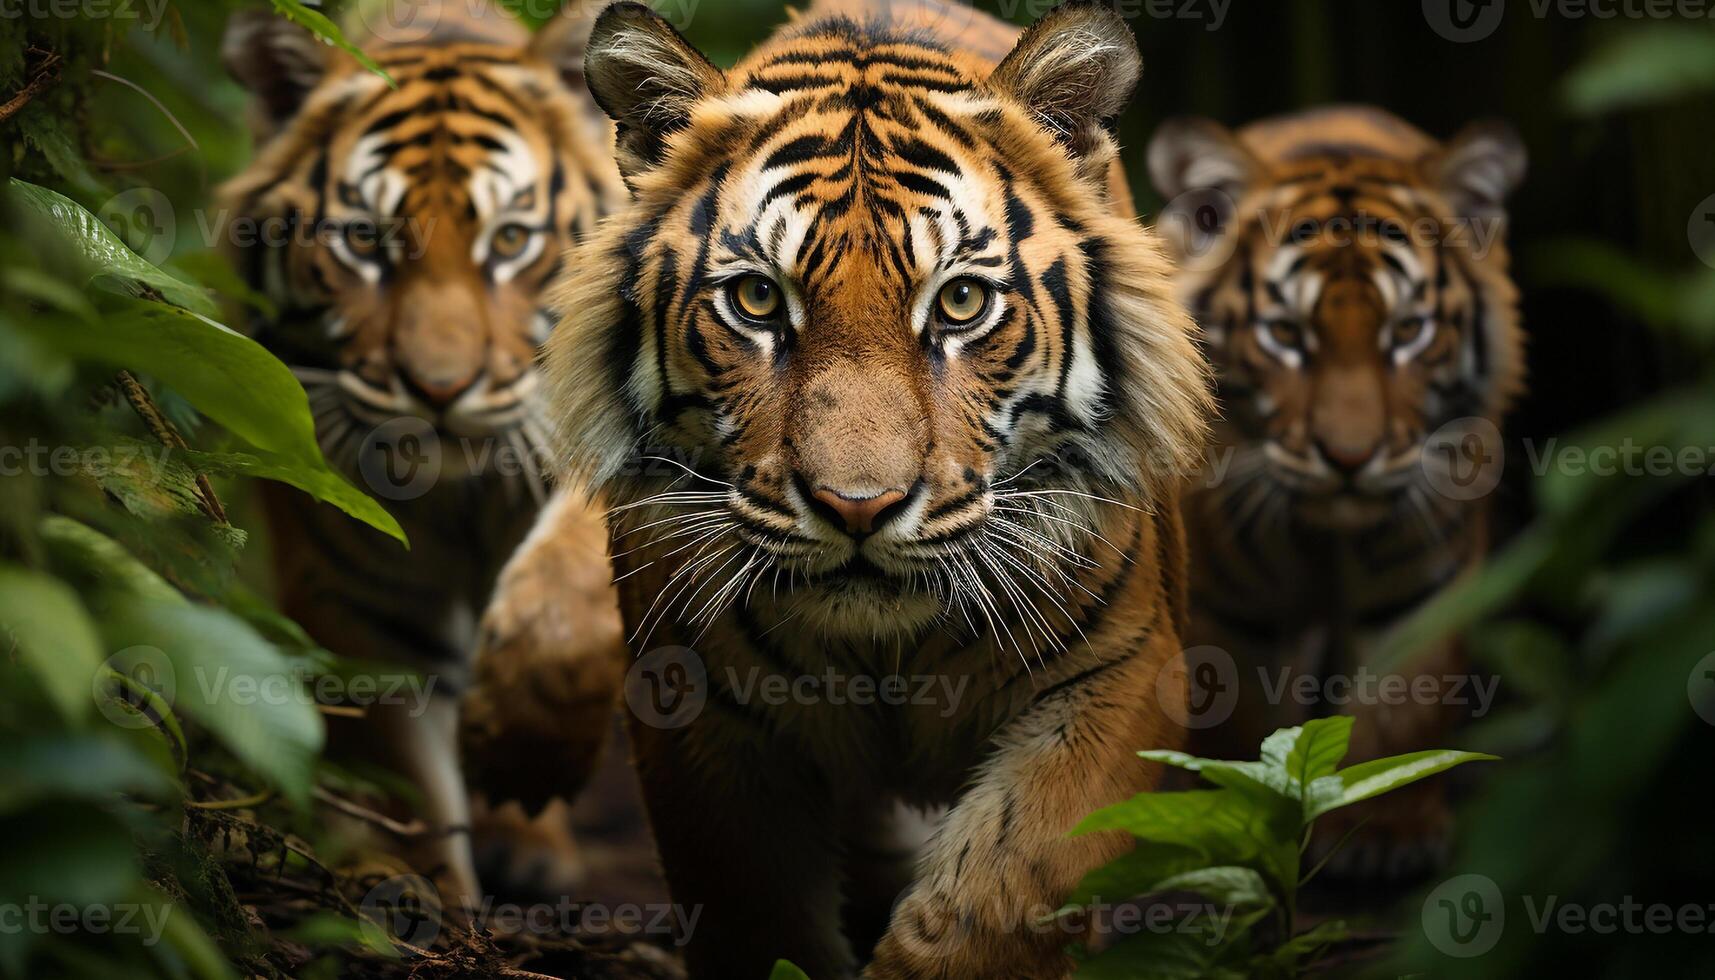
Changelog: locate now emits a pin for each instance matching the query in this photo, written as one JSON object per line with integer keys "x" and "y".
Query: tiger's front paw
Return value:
{"x": 549, "y": 663}
{"x": 934, "y": 934}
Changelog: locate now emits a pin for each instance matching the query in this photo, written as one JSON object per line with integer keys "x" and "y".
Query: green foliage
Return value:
{"x": 1237, "y": 847}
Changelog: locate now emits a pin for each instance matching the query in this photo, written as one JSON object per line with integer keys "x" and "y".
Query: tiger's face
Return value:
{"x": 1354, "y": 299}
{"x": 406, "y": 233}
{"x": 877, "y": 307}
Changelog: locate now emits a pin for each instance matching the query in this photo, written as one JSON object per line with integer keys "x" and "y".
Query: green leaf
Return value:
{"x": 1227, "y": 886}
{"x": 100, "y": 252}
{"x": 318, "y": 481}
{"x": 95, "y": 560}
{"x": 1303, "y": 949}
{"x": 80, "y": 767}
{"x": 233, "y": 380}
{"x": 784, "y": 970}
{"x": 1259, "y": 778}
{"x": 1317, "y": 750}
{"x": 1644, "y": 67}
{"x": 234, "y": 683}
{"x": 318, "y": 24}
{"x": 1367, "y": 779}
{"x": 53, "y": 635}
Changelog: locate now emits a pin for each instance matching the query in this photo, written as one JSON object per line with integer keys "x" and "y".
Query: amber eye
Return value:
{"x": 363, "y": 238}
{"x": 1407, "y": 332}
{"x": 509, "y": 241}
{"x": 1285, "y": 333}
{"x": 756, "y": 297}
{"x": 963, "y": 300}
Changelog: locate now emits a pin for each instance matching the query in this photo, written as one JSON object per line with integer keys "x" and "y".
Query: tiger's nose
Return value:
{"x": 1347, "y": 458}
{"x": 858, "y": 514}
{"x": 439, "y": 387}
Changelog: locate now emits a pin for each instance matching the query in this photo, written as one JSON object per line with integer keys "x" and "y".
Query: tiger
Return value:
{"x": 885, "y": 390}
{"x": 1350, "y": 276}
{"x": 402, "y": 230}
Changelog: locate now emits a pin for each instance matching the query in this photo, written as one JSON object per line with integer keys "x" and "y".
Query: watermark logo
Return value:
{"x": 1464, "y": 21}
{"x": 1200, "y": 689}
{"x": 402, "y": 910}
{"x": 1700, "y": 688}
{"x": 401, "y": 459}
{"x": 129, "y": 683}
{"x": 1700, "y": 231}
{"x": 667, "y": 687}
{"x": 1464, "y": 916}
{"x": 1196, "y": 224}
{"x": 1463, "y": 459}
{"x": 144, "y": 220}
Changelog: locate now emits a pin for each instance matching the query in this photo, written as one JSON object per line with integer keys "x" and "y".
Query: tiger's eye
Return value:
{"x": 509, "y": 241}
{"x": 757, "y": 297}
{"x": 1285, "y": 333}
{"x": 963, "y": 300}
{"x": 363, "y": 238}
{"x": 1407, "y": 331}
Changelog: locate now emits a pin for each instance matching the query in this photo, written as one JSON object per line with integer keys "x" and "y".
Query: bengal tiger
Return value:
{"x": 1350, "y": 277}
{"x": 404, "y": 229}
{"x": 886, "y": 390}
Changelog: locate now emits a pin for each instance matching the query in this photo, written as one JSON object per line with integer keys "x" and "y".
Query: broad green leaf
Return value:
{"x": 1367, "y": 779}
{"x": 234, "y": 683}
{"x": 1643, "y": 67}
{"x": 42, "y": 619}
{"x": 1303, "y": 949}
{"x": 784, "y": 970}
{"x": 96, "y": 560}
{"x": 1227, "y": 886}
{"x": 1224, "y": 826}
{"x": 66, "y": 851}
{"x": 316, "y": 479}
{"x": 101, "y": 252}
{"x": 1317, "y": 750}
{"x": 318, "y": 24}
{"x": 233, "y": 380}
{"x": 1260, "y": 778}
{"x": 81, "y": 767}
{"x": 182, "y": 935}
{"x": 1134, "y": 873}
{"x": 1193, "y": 948}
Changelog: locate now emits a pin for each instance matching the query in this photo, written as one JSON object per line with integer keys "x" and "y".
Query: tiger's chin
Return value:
{"x": 865, "y": 603}
{"x": 1347, "y": 510}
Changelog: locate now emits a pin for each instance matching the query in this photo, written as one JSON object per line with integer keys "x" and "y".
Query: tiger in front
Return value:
{"x": 1349, "y": 274}
{"x": 404, "y": 234}
{"x": 884, "y": 384}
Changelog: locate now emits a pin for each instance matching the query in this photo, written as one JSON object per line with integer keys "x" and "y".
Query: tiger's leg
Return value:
{"x": 1001, "y": 863}
{"x": 349, "y": 588}
{"x": 749, "y": 844}
{"x": 550, "y": 658}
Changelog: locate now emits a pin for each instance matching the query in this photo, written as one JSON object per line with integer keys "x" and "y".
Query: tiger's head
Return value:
{"x": 405, "y": 231}
{"x": 873, "y": 297}
{"x": 1350, "y": 278}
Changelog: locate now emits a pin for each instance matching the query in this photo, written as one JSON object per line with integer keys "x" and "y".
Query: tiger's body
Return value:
{"x": 406, "y": 234}
{"x": 884, "y": 382}
{"x": 1356, "y": 305}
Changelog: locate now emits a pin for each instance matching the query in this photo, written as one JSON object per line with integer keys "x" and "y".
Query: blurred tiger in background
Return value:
{"x": 405, "y": 232}
{"x": 1350, "y": 278}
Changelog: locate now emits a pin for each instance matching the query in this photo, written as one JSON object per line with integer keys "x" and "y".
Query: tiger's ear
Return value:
{"x": 1075, "y": 70}
{"x": 1478, "y": 168}
{"x": 1201, "y": 170}
{"x": 279, "y": 62}
{"x": 1189, "y": 154}
{"x": 647, "y": 77}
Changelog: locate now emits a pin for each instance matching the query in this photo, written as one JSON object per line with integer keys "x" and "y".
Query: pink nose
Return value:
{"x": 861, "y": 515}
